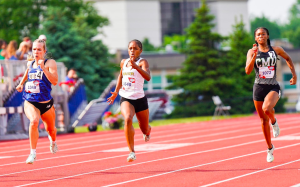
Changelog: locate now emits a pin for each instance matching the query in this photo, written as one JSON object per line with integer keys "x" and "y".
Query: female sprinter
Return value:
{"x": 133, "y": 100}
{"x": 266, "y": 90}
{"x": 40, "y": 74}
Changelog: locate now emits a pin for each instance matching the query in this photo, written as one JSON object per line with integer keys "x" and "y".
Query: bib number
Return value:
{"x": 37, "y": 75}
{"x": 32, "y": 87}
{"x": 266, "y": 72}
{"x": 128, "y": 84}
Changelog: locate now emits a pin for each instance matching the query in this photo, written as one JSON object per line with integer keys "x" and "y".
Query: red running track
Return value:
{"x": 229, "y": 152}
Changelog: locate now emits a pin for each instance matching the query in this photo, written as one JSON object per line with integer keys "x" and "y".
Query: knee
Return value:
{"x": 34, "y": 123}
{"x": 128, "y": 120}
{"x": 267, "y": 109}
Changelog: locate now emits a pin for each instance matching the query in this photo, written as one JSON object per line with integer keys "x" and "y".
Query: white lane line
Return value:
{"x": 1, "y": 157}
{"x": 226, "y": 180}
{"x": 215, "y": 140}
{"x": 179, "y": 127}
{"x": 188, "y": 154}
{"x": 164, "y": 136}
{"x": 210, "y": 141}
{"x": 297, "y": 185}
{"x": 100, "y": 139}
{"x": 51, "y": 180}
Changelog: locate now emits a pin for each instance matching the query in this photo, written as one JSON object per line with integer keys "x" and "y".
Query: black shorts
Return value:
{"x": 139, "y": 104}
{"x": 260, "y": 91}
{"x": 43, "y": 107}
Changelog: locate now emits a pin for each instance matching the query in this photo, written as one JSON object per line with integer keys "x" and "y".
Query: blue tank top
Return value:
{"x": 37, "y": 87}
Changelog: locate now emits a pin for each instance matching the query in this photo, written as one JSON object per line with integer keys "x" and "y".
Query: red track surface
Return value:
{"x": 228, "y": 152}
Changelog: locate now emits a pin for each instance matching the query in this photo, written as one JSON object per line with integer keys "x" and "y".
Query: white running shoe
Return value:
{"x": 31, "y": 158}
{"x": 146, "y": 137}
{"x": 131, "y": 157}
{"x": 53, "y": 148}
{"x": 270, "y": 156}
{"x": 276, "y": 130}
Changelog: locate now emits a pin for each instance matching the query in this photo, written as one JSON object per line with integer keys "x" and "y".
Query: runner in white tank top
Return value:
{"x": 132, "y": 82}
{"x": 134, "y": 71}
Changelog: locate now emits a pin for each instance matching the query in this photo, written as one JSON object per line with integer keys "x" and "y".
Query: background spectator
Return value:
{"x": 71, "y": 76}
{"x": 11, "y": 50}
{"x": 2, "y": 49}
{"x": 22, "y": 52}
{"x": 29, "y": 42}
{"x": 43, "y": 37}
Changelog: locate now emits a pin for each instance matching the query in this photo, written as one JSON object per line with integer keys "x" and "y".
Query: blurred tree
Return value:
{"x": 205, "y": 70}
{"x": 71, "y": 42}
{"x": 270, "y": 25}
{"x": 292, "y": 29}
{"x": 147, "y": 46}
{"x": 23, "y": 18}
{"x": 178, "y": 42}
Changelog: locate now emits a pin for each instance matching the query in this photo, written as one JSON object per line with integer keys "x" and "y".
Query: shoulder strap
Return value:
{"x": 45, "y": 61}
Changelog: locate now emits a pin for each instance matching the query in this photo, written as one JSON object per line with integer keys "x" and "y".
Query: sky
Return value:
{"x": 272, "y": 9}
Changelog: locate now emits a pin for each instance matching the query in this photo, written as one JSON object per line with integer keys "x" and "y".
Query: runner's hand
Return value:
{"x": 41, "y": 64}
{"x": 19, "y": 88}
{"x": 132, "y": 64}
{"x": 293, "y": 81}
{"x": 112, "y": 98}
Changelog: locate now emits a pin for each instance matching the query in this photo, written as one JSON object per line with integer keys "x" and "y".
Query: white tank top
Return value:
{"x": 132, "y": 82}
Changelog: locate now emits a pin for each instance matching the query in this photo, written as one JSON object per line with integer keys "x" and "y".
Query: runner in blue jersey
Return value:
{"x": 40, "y": 74}
{"x": 266, "y": 90}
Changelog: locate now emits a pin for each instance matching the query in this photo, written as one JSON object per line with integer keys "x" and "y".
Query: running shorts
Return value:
{"x": 260, "y": 91}
{"x": 43, "y": 107}
{"x": 139, "y": 104}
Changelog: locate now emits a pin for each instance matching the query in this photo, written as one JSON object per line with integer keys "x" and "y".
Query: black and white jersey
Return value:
{"x": 265, "y": 67}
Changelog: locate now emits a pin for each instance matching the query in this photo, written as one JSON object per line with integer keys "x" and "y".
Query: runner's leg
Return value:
{"x": 33, "y": 114}
{"x": 143, "y": 119}
{"x": 128, "y": 112}
{"x": 264, "y": 122}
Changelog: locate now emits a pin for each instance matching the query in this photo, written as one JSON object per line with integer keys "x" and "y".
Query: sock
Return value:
{"x": 33, "y": 151}
{"x": 271, "y": 148}
{"x": 53, "y": 142}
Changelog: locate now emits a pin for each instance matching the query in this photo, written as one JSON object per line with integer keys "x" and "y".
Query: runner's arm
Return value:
{"x": 119, "y": 80}
{"x": 251, "y": 55}
{"x": 280, "y": 51}
{"x": 144, "y": 70}
{"x": 50, "y": 71}
{"x": 24, "y": 78}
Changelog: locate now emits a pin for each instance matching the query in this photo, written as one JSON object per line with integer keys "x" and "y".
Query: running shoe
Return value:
{"x": 276, "y": 130}
{"x": 146, "y": 137}
{"x": 31, "y": 158}
{"x": 53, "y": 148}
{"x": 270, "y": 156}
{"x": 131, "y": 157}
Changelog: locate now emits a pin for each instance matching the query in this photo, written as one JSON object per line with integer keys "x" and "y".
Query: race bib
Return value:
{"x": 36, "y": 75}
{"x": 266, "y": 72}
{"x": 128, "y": 84}
{"x": 32, "y": 87}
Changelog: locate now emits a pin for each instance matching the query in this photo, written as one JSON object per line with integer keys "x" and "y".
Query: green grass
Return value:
{"x": 164, "y": 122}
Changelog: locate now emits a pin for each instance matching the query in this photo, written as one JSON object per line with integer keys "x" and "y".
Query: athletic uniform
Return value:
{"x": 265, "y": 74}
{"x": 132, "y": 87}
{"x": 38, "y": 89}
